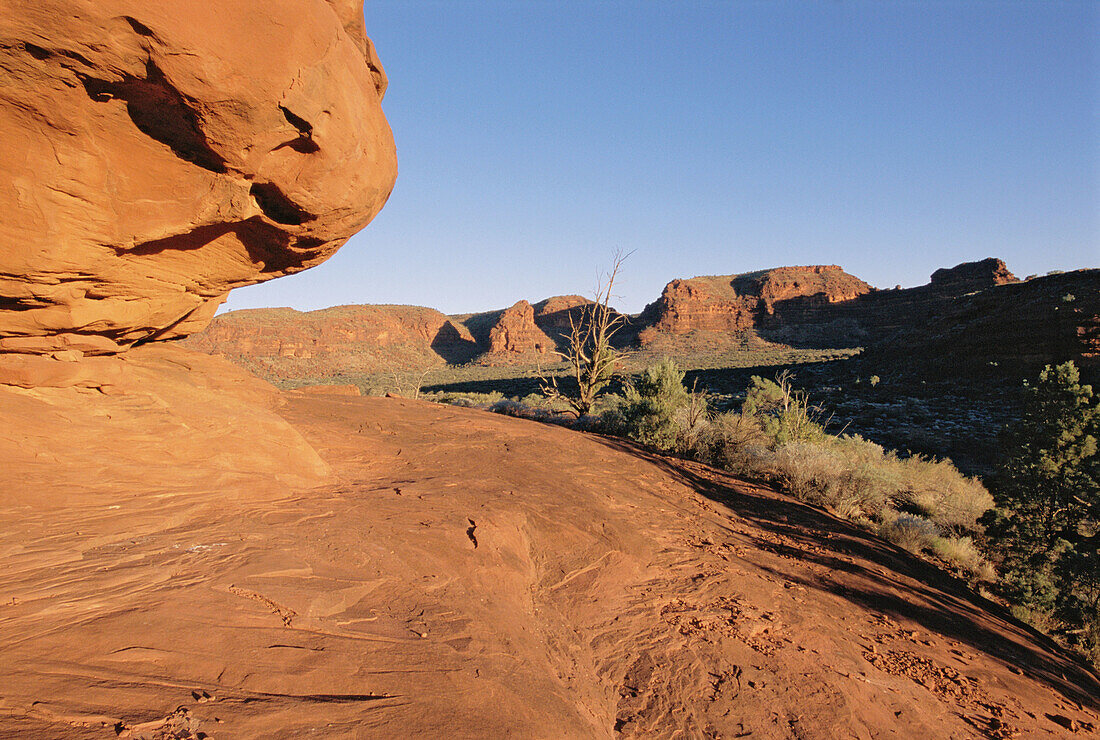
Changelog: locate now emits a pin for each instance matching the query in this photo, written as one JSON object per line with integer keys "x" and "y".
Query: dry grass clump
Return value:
{"x": 937, "y": 490}
{"x": 733, "y": 442}
{"x": 962, "y": 552}
{"x": 911, "y": 532}
{"x": 849, "y": 475}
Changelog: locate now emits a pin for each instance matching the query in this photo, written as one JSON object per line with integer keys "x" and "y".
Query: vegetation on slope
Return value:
{"x": 1045, "y": 531}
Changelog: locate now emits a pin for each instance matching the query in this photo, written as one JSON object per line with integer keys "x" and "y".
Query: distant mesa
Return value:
{"x": 154, "y": 156}
{"x": 738, "y": 303}
{"x": 973, "y": 276}
{"x": 283, "y": 343}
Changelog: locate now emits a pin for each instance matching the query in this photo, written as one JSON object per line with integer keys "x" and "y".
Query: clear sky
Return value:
{"x": 535, "y": 138}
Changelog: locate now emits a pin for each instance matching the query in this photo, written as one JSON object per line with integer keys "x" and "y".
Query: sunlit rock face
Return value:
{"x": 154, "y": 156}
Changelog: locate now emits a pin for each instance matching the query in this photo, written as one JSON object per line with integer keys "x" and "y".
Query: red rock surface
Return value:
{"x": 155, "y": 155}
{"x": 460, "y": 574}
{"x": 151, "y": 421}
{"x": 186, "y": 552}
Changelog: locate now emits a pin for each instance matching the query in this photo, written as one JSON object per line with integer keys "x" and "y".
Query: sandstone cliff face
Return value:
{"x": 284, "y": 344}
{"x": 553, "y": 315}
{"x": 876, "y": 315}
{"x": 737, "y": 303}
{"x": 155, "y": 155}
{"x": 819, "y": 306}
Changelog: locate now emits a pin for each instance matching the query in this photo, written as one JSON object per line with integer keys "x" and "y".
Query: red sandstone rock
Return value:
{"x": 158, "y": 418}
{"x": 155, "y": 155}
{"x": 553, "y": 315}
{"x": 462, "y": 575}
{"x": 515, "y": 333}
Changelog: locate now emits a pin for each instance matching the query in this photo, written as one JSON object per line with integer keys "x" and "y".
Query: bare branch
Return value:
{"x": 591, "y": 358}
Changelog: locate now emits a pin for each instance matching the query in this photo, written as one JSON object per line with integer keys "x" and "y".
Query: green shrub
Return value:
{"x": 784, "y": 412}
{"x": 657, "y": 410}
{"x": 1040, "y": 619}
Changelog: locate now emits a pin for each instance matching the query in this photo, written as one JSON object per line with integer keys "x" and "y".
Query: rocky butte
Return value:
{"x": 187, "y": 552}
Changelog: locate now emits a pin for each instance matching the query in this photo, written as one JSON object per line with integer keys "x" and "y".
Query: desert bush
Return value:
{"x": 963, "y": 553}
{"x": 467, "y": 400}
{"x": 651, "y": 402}
{"x": 909, "y": 531}
{"x": 1040, "y": 619}
{"x": 520, "y": 410}
{"x": 937, "y": 490}
{"x": 849, "y": 475}
{"x": 733, "y": 442}
{"x": 691, "y": 422}
{"x": 657, "y": 410}
{"x": 809, "y": 471}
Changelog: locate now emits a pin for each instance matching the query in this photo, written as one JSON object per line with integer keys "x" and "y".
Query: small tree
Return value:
{"x": 1045, "y": 528}
{"x": 592, "y": 359}
{"x": 658, "y": 409}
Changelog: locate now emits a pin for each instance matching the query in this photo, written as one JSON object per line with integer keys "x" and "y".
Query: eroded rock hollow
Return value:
{"x": 154, "y": 156}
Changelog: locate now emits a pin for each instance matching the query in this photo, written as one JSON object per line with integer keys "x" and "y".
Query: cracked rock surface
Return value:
{"x": 154, "y": 156}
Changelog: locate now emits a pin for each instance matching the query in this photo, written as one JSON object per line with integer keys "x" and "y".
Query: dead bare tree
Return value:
{"x": 414, "y": 385}
{"x": 591, "y": 357}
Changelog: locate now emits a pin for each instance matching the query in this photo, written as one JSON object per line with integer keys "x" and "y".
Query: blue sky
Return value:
{"x": 537, "y": 138}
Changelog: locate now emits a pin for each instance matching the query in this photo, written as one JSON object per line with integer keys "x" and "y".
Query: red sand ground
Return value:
{"x": 462, "y": 574}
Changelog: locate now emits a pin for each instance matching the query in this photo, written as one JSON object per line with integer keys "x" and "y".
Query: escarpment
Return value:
{"x": 281, "y": 343}
{"x": 154, "y": 156}
{"x": 1019, "y": 325}
{"x": 976, "y": 314}
{"x": 738, "y": 303}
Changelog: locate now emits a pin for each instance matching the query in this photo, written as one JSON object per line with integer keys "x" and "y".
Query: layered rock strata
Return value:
{"x": 1014, "y": 325}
